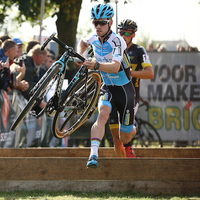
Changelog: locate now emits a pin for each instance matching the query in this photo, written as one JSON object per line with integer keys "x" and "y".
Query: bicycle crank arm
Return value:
{"x": 33, "y": 113}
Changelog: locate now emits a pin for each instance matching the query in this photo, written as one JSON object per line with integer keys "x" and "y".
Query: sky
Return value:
{"x": 156, "y": 19}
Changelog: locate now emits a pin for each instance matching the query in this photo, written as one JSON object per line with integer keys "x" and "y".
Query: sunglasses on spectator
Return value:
{"x": 125, "y": 33}
{"x": 100, "y": 22}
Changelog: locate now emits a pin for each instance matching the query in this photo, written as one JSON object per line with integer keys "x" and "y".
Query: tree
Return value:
{"x": 67, "y": 12}
{"x": 67, "y": 20}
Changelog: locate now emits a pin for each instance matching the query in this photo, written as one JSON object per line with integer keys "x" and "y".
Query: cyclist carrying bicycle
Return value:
{"x": 141, "y": 68}
{"x": 110, "y": 51}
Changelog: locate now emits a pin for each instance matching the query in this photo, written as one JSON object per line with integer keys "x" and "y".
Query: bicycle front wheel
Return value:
{"x": 79, "y": 104}
{"x": 33, "y": 100}
{"x": 148, "y": 135}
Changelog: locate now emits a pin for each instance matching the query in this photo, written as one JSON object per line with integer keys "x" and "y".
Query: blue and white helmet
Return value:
{"x": 102, "y": 11}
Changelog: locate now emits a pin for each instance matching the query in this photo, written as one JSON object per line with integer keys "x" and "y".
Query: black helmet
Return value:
{"x": 128, "y": 24}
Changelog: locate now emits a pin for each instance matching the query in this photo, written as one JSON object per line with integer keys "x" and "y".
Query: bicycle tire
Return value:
{"x": 148, "y": 135}
{"x": 76, "y": 115}
{"x": 35, "y": 96}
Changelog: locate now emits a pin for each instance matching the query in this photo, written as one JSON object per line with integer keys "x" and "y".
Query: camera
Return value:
{"x": 12, "y": 81}
{"x": 19, "y": 61}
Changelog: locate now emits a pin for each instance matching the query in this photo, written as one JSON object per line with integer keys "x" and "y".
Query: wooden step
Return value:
{"x": 162, "y": 170}
{"x": 139, "y": 169}
{"x": 103, "y": 152}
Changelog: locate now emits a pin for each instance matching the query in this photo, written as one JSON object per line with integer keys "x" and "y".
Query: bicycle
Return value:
{"x": 146, "y": 135}
{"x": 71, "y": 107}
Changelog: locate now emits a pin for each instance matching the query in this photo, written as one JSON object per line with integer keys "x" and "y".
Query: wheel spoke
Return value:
{"x": 78, "y": 106}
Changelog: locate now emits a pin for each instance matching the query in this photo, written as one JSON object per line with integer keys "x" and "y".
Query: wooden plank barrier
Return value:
{"x": 103, "y": 152}
{"x": 154, "y": 171}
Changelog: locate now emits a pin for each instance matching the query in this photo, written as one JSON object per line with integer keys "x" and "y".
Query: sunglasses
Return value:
{"x": 125, "y": 33}
{"x": 100, "y": 22}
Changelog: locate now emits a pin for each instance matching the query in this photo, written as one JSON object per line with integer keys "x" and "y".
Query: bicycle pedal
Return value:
{"x": 33, "y": 113}
{"x": 51, "y": 114}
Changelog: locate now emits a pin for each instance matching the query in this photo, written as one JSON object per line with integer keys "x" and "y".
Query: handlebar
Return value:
{"x": 70, "y": 50}
{"x": 75, "y": 59}
{"x": 48, "y": 40}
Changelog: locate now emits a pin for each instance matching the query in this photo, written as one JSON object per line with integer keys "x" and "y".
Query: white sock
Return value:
{"x": 95, "y": 142}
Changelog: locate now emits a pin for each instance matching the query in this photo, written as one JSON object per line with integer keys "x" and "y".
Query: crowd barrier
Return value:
{"x": 173, "y": 95}
{"x": 31, "y": 132}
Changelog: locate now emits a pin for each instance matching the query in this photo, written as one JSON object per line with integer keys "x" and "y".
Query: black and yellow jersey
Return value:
{"x": 139, "y": 60}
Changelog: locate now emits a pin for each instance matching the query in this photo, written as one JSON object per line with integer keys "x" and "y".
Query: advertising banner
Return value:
{"x": 173, "y": 95}
{"x": 7, "y": 115}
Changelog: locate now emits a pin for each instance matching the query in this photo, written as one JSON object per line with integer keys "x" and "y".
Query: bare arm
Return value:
{"x": 4, "y": 65}
{"x": 22, "y": 85}
{"x": 81, "y": 48}
{"x": 112, "y": 67}
{"x": 22, "y": 71}
{"x": 147, "y": 73}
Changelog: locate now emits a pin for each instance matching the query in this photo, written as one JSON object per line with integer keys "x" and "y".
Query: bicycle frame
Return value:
{"x": 146, "y": 132}
{"x": 77, "y": 100}
{"x": 63, "y": 61}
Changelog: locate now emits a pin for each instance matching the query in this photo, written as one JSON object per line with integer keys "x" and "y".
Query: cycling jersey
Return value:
{"x": 118, "y": 88}
{"x": 139, "y": 60}
{"x": 113, "y": 48}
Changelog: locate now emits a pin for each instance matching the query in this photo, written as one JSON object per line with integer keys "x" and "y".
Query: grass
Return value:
{"x": 44, "y": 195}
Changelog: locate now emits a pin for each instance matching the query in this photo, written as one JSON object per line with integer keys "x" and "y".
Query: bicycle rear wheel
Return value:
{"x": 79, "y": 104}
{"x": 148, "y": 135}
{"x": 36, "y": 96}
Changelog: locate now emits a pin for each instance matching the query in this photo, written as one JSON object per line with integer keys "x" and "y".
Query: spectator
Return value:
{"x": 18, "y": 67}
{"x": 150, "y": 47}
{"x": 30, "y": 44}
{"x": 162, "y": 48}
{"x": 4, "y": 72}
{"x": 158, "y": 46}
{"x": 4, "y": 37}
{"x": 180, "y": 48}
{"x": 51, "y": 51}
{"x": 8, "y": 51}
{"x": 48, "y": 62}
{"x": 35, "y": 58}
{"x": 19, "y": 45}
{"x": 192, "y": 49}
